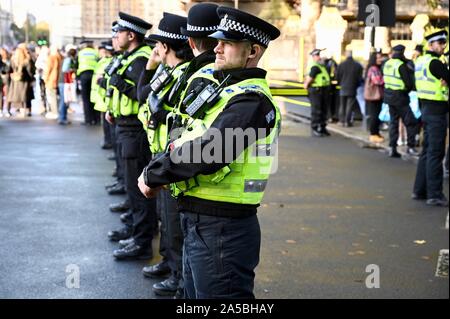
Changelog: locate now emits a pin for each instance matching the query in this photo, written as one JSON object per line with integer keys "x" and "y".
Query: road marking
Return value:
{"x": 442, "y": 265}
{"x": 446, "y": 222}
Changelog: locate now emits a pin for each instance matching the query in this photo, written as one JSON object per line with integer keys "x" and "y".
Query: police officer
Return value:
{"x": 432, "y": 80}
{"x": 318, "y": 85}
{"x": 131, "y": 138}
{"x": 398, "y": 82}
{"x": 219, "y": 198}
{"x": 98, "y": 91}
{"x": 202, "y": 20}
{"x": 118, "y": 187}
{"x": 87, "y": 61}
{"x": 168, "y": 61}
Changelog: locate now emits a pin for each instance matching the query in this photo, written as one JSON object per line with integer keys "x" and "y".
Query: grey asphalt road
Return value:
{"x": 332, "y": 209}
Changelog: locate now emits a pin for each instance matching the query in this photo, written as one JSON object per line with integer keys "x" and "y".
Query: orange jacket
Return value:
{"x": 54, "y": 64}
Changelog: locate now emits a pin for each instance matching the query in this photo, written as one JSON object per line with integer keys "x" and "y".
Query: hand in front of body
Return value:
{"x": 145, "y": 190}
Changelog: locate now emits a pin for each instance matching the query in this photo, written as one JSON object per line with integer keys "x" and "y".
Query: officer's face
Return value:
{"x": 438, "y": 46}
{"x": 161, "y": 51}
{"x": 231, "y": 55}
{"x": 123, "y": 40}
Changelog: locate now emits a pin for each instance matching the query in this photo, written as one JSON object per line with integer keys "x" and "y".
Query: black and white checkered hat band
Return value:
{"x": 171, "y": 35}
{"x": 131, "y": 26}
{"x": 201, "y": 29}
{"x": 226, "y": 24}
{"x": 438, "y": 37}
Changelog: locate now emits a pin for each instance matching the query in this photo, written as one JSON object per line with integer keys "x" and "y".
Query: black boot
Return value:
{"x": 120, "y": 207}
{"x": 124, "y": 233}
{"x": 134, "y": 251}
{"x": 155, "y": 271}
{"x": 393, "y": 153}
{"x": 167, "y": 287}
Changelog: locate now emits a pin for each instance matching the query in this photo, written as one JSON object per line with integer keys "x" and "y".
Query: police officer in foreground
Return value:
{"x": 87, "y": 62}
{"x": 202, "y": 20}
{"x": 432, "y": 80}
{"x": 219, "y": 199}
{"x": 318, "y": 85}
{"x": 168, "y": 61}
{"x": 398, "y": 82}
{"x": 131, "y": 138}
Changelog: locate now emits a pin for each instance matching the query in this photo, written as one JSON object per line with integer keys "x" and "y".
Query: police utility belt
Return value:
{"x": 128, "y": 121}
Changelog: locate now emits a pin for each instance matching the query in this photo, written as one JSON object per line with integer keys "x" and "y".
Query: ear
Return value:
{"x": 191, "y": 43}
{"x": 254, "y": 51}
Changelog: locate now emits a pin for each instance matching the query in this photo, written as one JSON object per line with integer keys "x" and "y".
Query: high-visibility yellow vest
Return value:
{"x": 245, "y": 179}
{"x": 323, "y": 78}
{"x": 87, "y": 60}
{"x": 428, "y": 86}
{"x": 121, "y": 104}
{"x": 391, "y": 75}
{"x": 158, "y": 137}
{"x": 97, "y": 92}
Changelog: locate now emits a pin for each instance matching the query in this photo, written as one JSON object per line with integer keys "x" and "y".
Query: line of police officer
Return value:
{"x": 164, "y": 101}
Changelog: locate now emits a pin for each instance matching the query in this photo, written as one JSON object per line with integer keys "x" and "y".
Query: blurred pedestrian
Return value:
{"x": 349, "y": 76}
{"x": 373, "y": 94}
{"x": 51, "y": 79}
{"x": 4, "y": 79}
{"x": 21, "y": 77}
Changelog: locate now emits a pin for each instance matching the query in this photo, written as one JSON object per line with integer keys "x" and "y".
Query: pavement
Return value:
{"x": 297, "y": 109}
{"x": 333, "y": 215}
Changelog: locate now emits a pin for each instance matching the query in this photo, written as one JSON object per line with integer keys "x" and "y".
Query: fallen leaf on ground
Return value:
{"x": 291, "y": 241}
{"x": 420, "y": 242}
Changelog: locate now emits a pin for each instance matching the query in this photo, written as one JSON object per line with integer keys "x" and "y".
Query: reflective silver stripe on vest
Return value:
{"x": 255, "y": 185}
{"x": 393, "y": 84}
{"x": 426, "y": 92}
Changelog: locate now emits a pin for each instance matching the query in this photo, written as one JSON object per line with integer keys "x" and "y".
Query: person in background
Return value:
{"x": 4, "y": 79}
{"x": 317, "y": 83}
{"x": 374, "y": 80}
{"x": 51, "y": 76}
{"x": 65, "y": 76}
{"x": 432, "y": 80}
{"x": 41, "y": 64}
{"x": 349, "y": 75}
{"x": 333, "y": 104}
{"x": 21, "y": 77}
{"x": 398, "y": 82}
{"x": 87, "y": 60}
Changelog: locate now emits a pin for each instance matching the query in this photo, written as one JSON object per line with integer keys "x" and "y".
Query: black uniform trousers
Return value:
{"x": 429, "y": 176}
{"x": 318, "y": 98}
{"x": 171, "y": 244}
{"x": 220, "y": 255}
{"x": 135, "y": 152}
{"x": 412, "y": 125}
{"x": 118, "y": 154}
{"x": 107, "y": 130}
{"x": 88, "y": 106}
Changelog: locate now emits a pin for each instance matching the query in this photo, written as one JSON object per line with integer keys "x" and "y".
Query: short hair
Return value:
{"x": 205, "y": 44}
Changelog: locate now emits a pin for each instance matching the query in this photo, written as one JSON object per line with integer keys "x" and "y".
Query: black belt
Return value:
{"x": 128, "y": 121}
